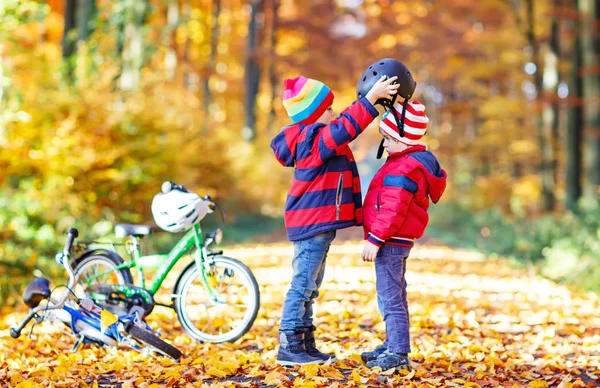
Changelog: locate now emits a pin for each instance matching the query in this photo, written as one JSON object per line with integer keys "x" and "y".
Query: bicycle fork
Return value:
{"x": 203, "y": 263}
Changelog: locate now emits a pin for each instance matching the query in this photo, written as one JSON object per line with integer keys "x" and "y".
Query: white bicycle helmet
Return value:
{"x": 175, "y": 210}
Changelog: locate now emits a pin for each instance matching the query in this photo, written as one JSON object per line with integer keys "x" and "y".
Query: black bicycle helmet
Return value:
{"x": 389, "y": 67}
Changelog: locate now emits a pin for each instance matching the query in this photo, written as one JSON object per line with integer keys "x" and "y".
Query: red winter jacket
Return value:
{"x": 395, "y": 208}
{"x": 325, "y": 193}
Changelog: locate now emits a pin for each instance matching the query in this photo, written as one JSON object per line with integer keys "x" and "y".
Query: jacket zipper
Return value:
{"x": 338, "y": 197}
{"x": 377, "y": 206}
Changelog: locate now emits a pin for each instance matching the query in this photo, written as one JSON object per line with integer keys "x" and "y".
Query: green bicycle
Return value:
{"x": 216, "y": 298}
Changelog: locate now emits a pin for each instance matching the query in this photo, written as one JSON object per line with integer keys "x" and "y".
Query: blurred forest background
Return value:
{"x": 101, "y": 101}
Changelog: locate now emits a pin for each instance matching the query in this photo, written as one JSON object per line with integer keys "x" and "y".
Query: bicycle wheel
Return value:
{"x": 153, "y": 343}
{"x": 90, "y": 265}
{"x": 231, "y": 315}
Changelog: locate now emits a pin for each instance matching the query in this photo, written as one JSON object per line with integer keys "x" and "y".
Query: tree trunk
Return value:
{"x": 69, "y": 41}
{"x": 171, "y": 55}
{"x": 553, "y": 85}
{"x": 574, "y": 163}
{"x": 86, "y": 18}
{"x": 547, "y": 189}
{"x": 590, "y": 12}
{"x": 272, "y": 71}
{"x": 133, "y": 55}
{"x": 214, "y": 41}
{"x": 252, "y": 72}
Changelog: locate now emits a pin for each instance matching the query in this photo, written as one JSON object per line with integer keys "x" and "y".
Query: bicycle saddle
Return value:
{"x": 125, "y": 230}
{"x": 37, "y": 290}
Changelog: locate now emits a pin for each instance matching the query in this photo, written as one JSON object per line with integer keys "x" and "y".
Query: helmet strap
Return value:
{"x": 380, "y": 150}
{"x": 390, "y": 105}
{"x": 401, "y": 120}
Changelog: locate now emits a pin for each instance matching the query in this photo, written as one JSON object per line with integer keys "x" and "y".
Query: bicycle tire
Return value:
{"x": 189, "y": 275}
{"x": 108, "y": 259}
{"x": 154, "y": 343}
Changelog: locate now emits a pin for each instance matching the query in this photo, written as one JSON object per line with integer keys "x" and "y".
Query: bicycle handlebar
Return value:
{"x": 64, "y": 257}
{"x": 72, "y": 234}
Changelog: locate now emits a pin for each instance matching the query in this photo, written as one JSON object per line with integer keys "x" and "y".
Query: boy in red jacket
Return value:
{"x": 325, "y": 196}
{"x": 395, "y": 214}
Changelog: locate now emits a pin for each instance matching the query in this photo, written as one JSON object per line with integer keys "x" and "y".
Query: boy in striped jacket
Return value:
{"x": 324, "y": 196}
{"x": 395, "y": 215}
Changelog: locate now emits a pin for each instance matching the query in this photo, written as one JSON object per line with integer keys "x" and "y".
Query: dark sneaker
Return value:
{"x": 388, "y": 360}
{"x": 311, "y": 347}
{"x": 292, "y": 350}
{"x": 372, "y": 355}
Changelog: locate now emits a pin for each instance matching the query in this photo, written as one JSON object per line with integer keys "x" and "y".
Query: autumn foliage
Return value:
{"x": 474, "y": 323}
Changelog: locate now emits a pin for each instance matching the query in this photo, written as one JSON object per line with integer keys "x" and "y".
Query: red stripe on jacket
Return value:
{"x": 325, "y": 155}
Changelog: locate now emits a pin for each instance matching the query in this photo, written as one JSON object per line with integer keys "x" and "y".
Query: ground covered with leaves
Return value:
{"x": 474, "y": 323}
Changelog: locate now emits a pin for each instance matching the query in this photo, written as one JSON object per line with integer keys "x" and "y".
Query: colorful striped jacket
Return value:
{"x": 397, "y": 201}
{"x": 325, "y": 193}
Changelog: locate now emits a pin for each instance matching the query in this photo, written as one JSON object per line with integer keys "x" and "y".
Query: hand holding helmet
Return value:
{"x": 384, "y": 88}
{"x": 390, "y": 68}
{"x": 406, "y": 87}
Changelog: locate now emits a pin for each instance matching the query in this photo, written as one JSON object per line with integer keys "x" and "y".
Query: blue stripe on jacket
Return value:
{"x": 401, "y": 182}
{"x": 340, "y": 136}
{"x": 318, "y": 198}
{"x": 336, "y": 164}
{"x": 427, "y": 159}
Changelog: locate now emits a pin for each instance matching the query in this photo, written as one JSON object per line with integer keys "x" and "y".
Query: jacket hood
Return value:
{"x": 284, "y": 145}
{"x": 436, "y": 176}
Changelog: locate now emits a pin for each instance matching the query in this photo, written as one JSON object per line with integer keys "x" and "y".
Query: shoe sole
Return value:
{"x": 291, "y": 363}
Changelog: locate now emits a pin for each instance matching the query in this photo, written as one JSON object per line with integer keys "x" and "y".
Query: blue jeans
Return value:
{"x": 309, "y": 260}
{"x": 390, "y": 269}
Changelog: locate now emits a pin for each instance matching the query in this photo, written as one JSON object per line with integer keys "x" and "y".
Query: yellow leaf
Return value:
{"x": 229, "y": 367}
{"x": 356, "y": 377}
{"x": 310, "y": 370}
{"x": 538, "y": 384}
{"x": 410, "y": 375}
{"x": 301, "y": 383}
{"x": 216, "y": 372}
{"x": 388, "y": 372}
{"x": 275, "y": 378}
{"x": 197, "y": 361}
{"x": 172, "y": 373}
{"x": 471, "y": 384}
{"x": 565, "y": 384}
{"x": 25, "y": 384}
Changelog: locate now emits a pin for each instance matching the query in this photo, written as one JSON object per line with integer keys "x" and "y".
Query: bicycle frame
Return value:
{"x": 164, "y": 263}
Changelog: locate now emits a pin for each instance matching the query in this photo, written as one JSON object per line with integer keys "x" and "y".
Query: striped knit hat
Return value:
{"x": 415, "y": 123}
{"x": 306, "y": 99}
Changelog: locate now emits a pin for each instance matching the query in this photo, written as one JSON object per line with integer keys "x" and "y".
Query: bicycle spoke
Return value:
{"x": 221, "y": 283}
{"x": 207, "y": 325}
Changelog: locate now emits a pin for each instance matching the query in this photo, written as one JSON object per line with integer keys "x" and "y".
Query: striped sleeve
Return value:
{"x": 341, "y": 131}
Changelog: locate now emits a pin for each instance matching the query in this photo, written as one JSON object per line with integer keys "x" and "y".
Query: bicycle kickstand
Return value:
{"x": 77, "y": 343}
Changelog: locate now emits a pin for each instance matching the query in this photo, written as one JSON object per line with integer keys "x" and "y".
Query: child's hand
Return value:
{"x": 382, "y": 89}
{"x": 370, "y": 252}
